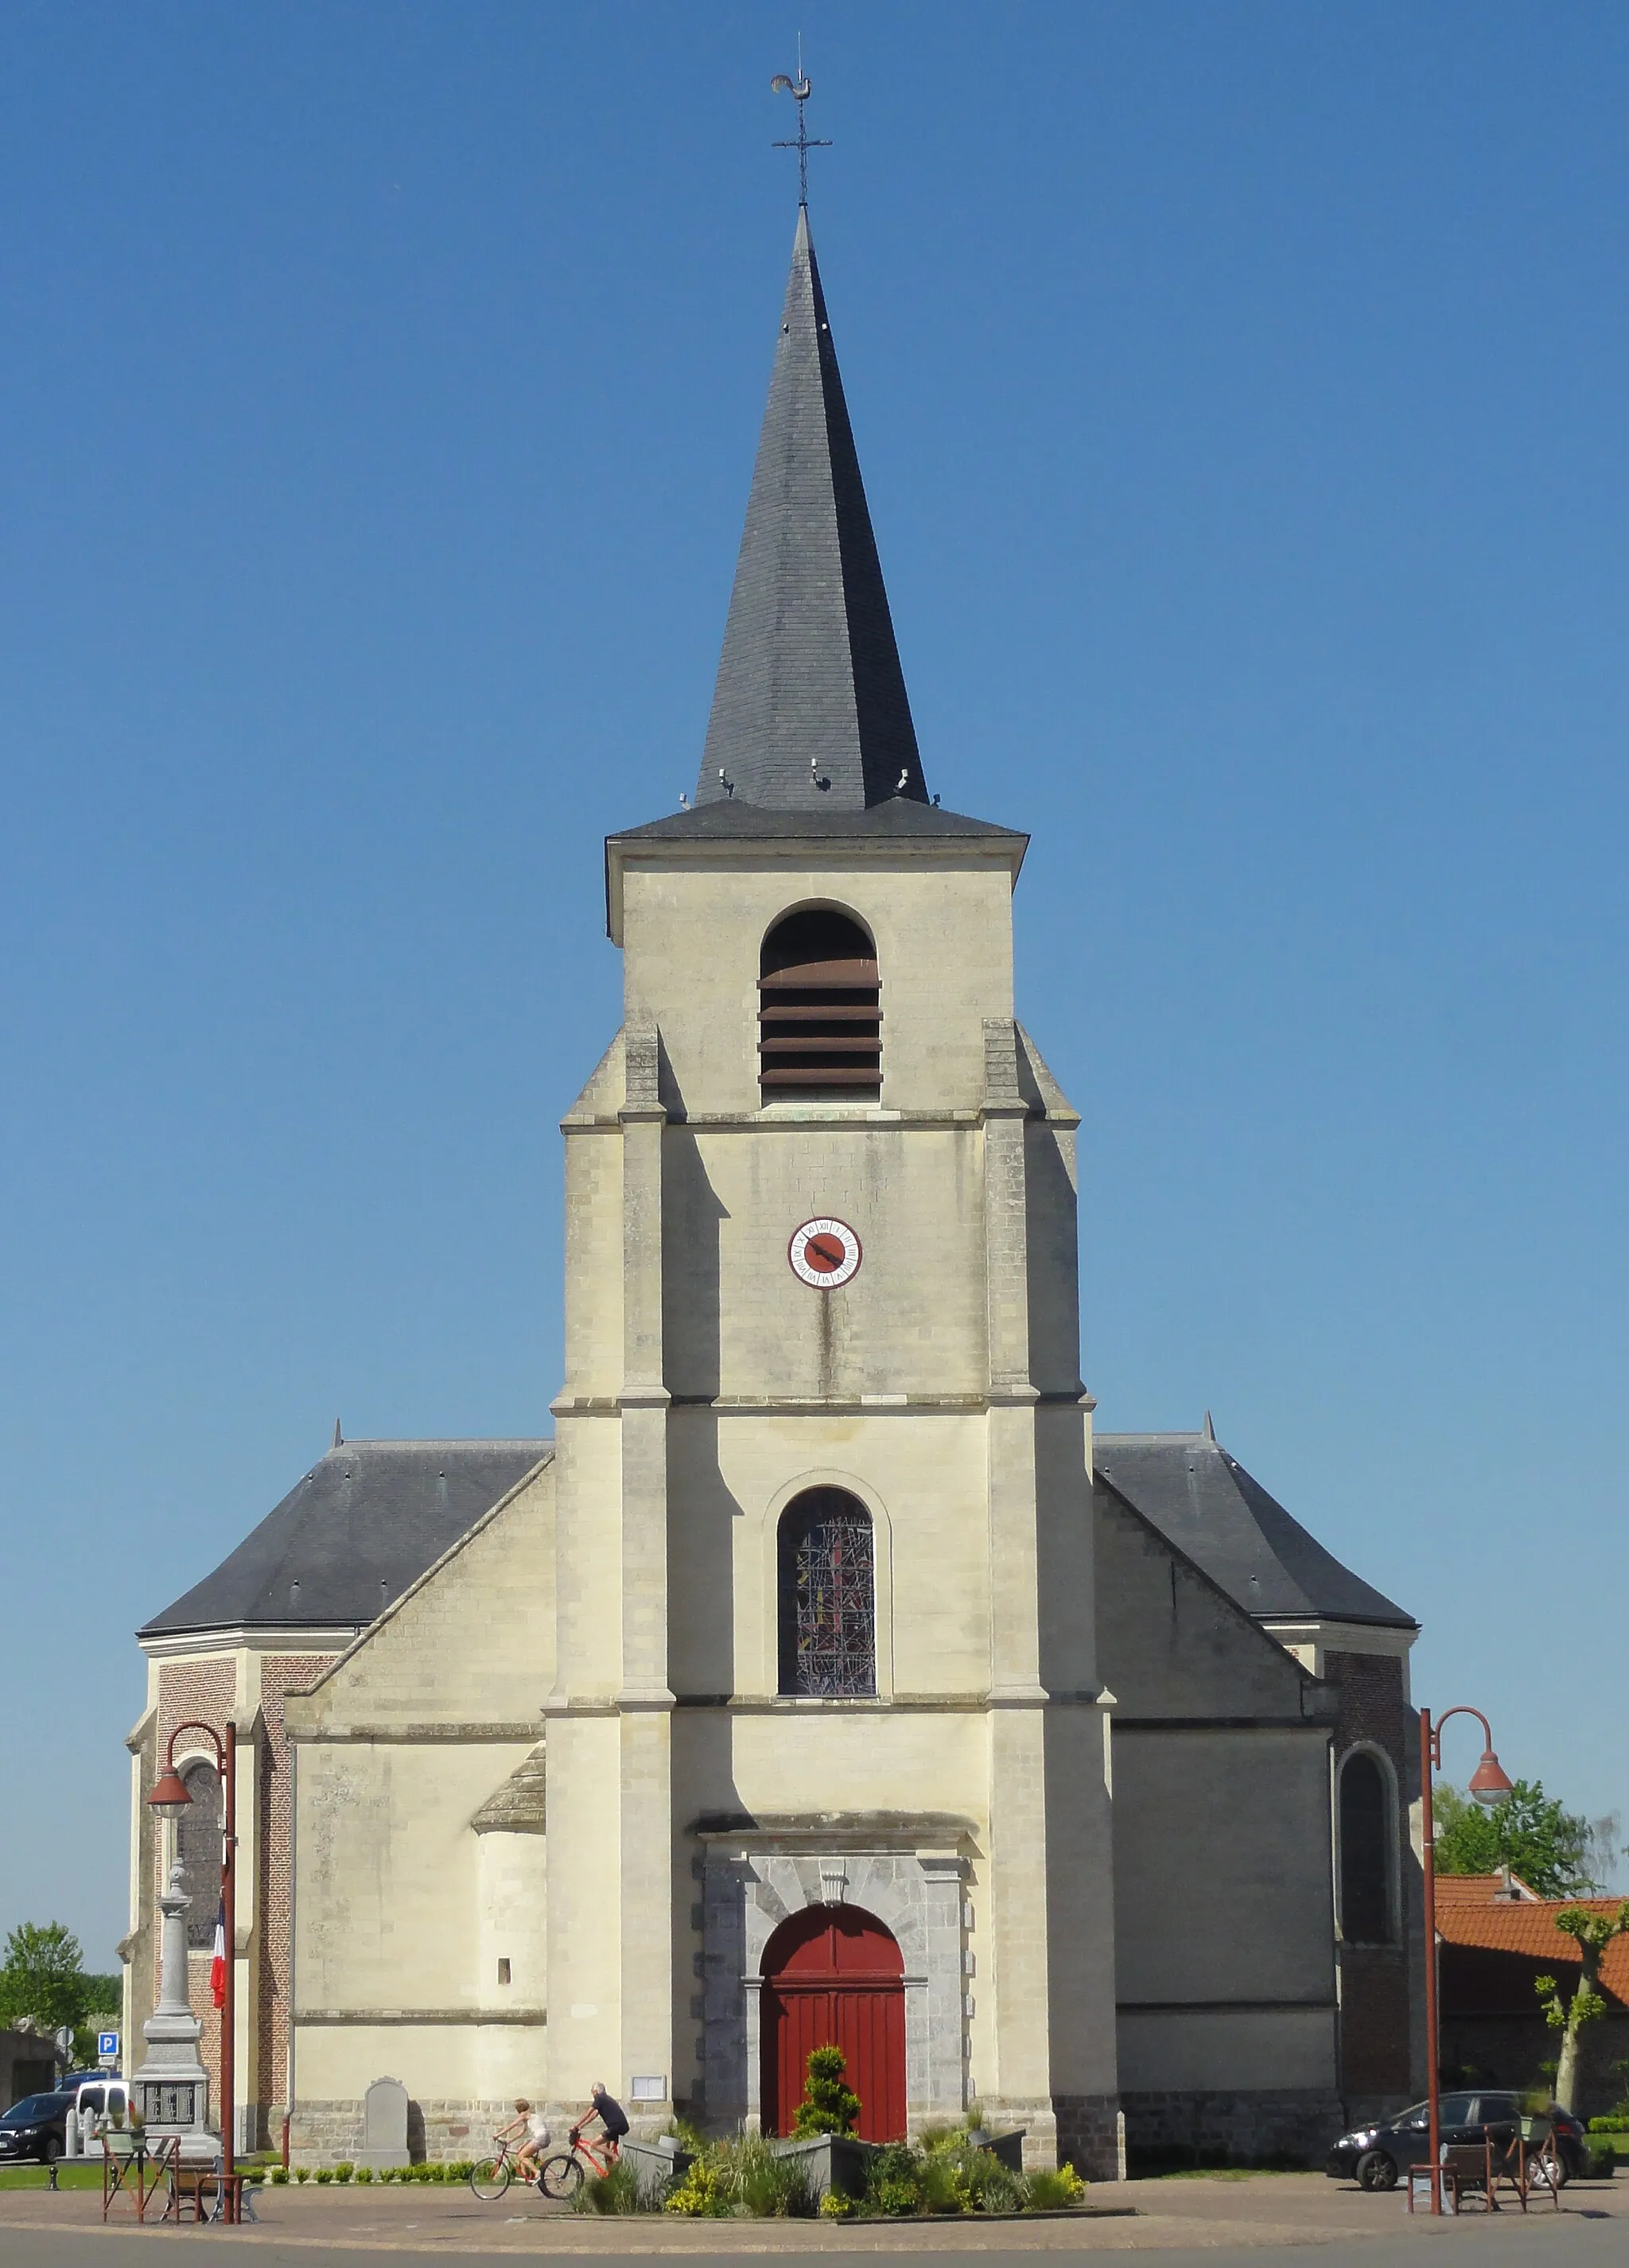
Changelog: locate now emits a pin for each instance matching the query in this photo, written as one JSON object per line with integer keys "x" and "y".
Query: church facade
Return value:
{"x": 823, "y": 1676}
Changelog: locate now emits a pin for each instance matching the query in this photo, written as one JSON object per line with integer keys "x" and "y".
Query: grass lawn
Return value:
{"x": 69, "y": 2176}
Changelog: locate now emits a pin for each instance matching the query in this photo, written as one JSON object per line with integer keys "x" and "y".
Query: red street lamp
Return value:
{"x": 1489, "y": 1785}
{"x": 169, "y": 1798}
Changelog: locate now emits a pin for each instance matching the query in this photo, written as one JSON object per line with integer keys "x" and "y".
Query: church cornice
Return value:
{"x": 414, "y": 1734}
{"x": 870, "y": 1405}
{"x": 420, "y": 2016}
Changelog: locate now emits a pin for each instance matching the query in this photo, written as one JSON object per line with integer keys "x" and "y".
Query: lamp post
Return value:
{"x": 169, "y": 1798}
{"x": 1489, "y": 1785}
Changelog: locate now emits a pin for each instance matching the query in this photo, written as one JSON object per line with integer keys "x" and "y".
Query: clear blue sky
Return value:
{"x": 1240, "y": 392}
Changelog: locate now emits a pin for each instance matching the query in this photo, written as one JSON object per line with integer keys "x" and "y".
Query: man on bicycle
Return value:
{"x": 612, "y": 2118}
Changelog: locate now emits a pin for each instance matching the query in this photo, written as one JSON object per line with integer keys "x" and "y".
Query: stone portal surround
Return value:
{"x": 749, "y": 1892}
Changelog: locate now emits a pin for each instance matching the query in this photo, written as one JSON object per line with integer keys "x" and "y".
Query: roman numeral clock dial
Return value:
{"x": 824, "y": 1252}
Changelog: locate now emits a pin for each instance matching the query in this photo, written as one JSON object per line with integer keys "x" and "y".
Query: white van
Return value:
{"x": 92, "y": 2100}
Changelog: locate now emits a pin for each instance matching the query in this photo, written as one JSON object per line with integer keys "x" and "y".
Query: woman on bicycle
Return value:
{"x": 535, "y": 2128}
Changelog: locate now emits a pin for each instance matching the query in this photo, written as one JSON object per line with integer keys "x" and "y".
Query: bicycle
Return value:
{"x": 492, "y": 2176}
{"x": 562, "y": 2175}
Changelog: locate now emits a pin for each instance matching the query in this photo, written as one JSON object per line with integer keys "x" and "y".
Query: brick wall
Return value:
{"x": 1376, "y": 1981}
{"x": 205, "y": 1691}
{"x": 281, "y": 1675}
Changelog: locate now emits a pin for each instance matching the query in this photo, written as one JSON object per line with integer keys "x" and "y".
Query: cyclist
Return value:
{"x": 535, "y": 2126}
{"x": 612, "y": 2118}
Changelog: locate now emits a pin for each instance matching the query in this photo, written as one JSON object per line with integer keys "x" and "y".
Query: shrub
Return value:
{"x": 835, "y": 2206}
{"x": 893, "y": 2180}
{"x": 614, "y": 2191}
{"x": 279, "y": 2174}
{"x": 943, "y": 2179}
{"x": 344, "y": 2170}
{"x": 829, "y": 2106}
{"x": 365, "y": 2173}
{"x": 1046, "y": 2191}
{"x": 1614, "y": 2123}
{"x": 768, "y": 2186}
{"x": 459, "y": 2169}
{"x": 706, "y": 2190}
{"x": 302, "y": 2173}
{"x": 325, "y": 2173}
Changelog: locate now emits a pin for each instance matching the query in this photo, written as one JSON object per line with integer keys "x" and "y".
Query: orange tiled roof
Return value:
{"x": 1526, "y": 1927}
{"x": 1479, "y": 1889}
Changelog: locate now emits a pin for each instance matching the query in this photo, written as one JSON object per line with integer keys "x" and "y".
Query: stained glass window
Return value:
{"x": 827, "y": 1616}
{"x": 198, "y": 1841}
{"x": 1364, "y": 1866}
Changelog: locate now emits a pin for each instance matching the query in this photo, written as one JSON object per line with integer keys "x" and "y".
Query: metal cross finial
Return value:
{"x": 800, "y": 90}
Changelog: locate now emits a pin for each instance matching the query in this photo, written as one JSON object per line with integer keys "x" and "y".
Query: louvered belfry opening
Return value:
{"x": 820, "y": 1012}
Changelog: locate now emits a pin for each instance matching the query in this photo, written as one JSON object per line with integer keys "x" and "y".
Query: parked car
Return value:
{"x": 36, "y": 2128}
{"x": 101, "y": 2091}
{"x": 1375, "y": 2156}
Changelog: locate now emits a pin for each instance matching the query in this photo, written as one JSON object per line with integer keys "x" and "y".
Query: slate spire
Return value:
{"x": 810, "y": 711}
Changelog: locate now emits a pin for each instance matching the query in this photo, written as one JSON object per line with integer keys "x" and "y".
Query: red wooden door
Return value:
{"x": 834, "y": 1975}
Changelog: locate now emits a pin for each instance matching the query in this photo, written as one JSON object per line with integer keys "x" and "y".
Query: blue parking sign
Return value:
{"x": 107, "y": 2043}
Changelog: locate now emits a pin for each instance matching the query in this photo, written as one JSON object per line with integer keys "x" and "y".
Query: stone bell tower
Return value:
{"x": 826, "y": 1746}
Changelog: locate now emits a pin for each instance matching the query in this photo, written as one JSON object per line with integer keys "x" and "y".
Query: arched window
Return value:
{"x": 198, "y": 1845}
{"x": 1365, "y": 1853}
{"x": 820, "y": 1017}
{"x": 828, "y": 1599}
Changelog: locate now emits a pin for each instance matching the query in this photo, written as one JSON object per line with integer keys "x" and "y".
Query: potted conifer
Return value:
{"x": 823, "y": 2127}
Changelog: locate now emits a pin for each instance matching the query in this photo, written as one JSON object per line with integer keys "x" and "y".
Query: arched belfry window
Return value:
{"x": 827, "y": 1596}
{"x": 198, "y": 1846}
{"x": 820, "y": 1015}
{"x": 1365, "y": 1852}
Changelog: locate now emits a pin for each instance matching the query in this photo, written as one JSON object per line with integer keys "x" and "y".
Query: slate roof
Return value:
{"x": 732, "y": 821}
{"x": 520, "y": 1805}
{"x": 810, "y": 709}
{"x": 1204, "y": 1502}
{"x": 367, "y": 1519}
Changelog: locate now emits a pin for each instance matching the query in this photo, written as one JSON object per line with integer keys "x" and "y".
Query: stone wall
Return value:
{"x": 326, "y": 2133}
{"x": 1089, "y": 2134}
{"x": 1247, "y": 2126}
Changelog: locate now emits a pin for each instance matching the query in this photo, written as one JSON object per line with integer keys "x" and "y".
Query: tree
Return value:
{"x": 829, "y": 2106}
{"x": 1529, "y": 1832}
{"x": 43, "y": 1975}
{"x": 1592, "y": 1934}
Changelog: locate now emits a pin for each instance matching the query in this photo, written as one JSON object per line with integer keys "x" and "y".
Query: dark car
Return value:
{"x": 36, "y": 2128}
{"x": 1374, "y": 2156}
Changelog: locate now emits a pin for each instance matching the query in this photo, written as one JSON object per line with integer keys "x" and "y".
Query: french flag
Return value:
{"x": 217, "y": 1959}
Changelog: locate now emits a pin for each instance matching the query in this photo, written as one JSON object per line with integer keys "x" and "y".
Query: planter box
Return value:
{"x": 1006, "y": 2149}
{"x": 657, "y": 2165}
{"x": 832, "y": 2162}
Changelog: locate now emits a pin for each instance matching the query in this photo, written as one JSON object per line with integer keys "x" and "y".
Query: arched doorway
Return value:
{"x": 833, "y": 1975}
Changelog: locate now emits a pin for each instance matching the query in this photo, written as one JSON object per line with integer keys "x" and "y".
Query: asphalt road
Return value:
{"x": 1530, "y": 2243}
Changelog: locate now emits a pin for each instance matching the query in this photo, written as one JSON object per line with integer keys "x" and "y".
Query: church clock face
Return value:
{"x": 824, "y": 1252}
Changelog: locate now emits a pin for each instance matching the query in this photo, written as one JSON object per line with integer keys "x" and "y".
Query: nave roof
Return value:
{"x": 366, "y": 1521}
{"x": 1203, "y": 1501}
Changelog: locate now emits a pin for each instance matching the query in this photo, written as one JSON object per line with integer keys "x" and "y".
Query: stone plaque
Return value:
{"x": 383, "y": 2124}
